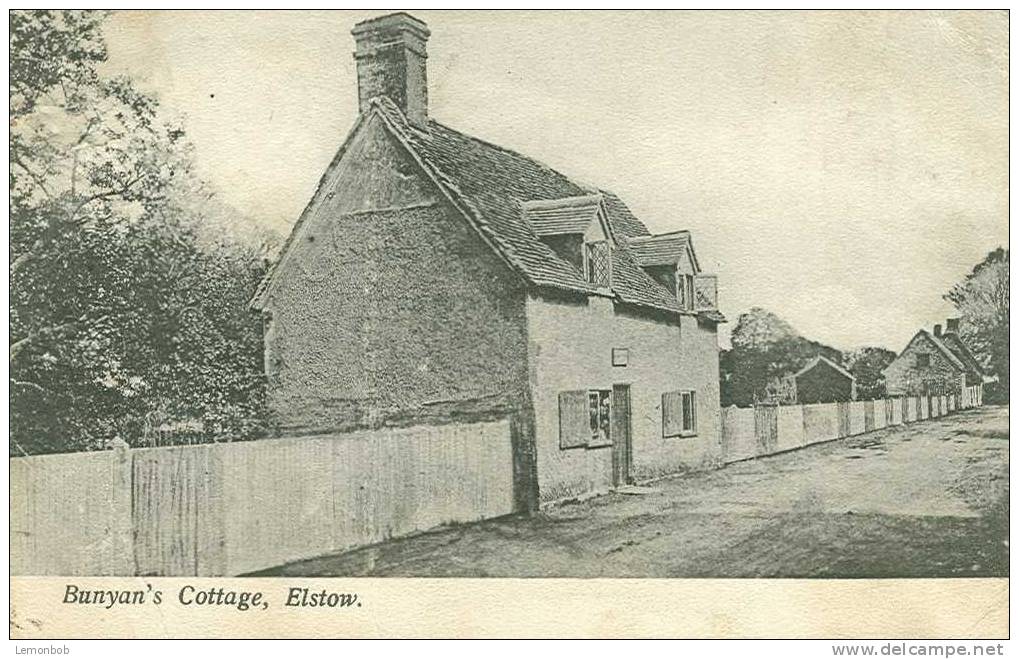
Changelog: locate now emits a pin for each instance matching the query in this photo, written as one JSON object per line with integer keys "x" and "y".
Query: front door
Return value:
{"x": 621, "y": 452}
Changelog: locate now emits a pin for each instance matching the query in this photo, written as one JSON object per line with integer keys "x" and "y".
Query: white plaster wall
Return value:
{"x": 570, "y": 344}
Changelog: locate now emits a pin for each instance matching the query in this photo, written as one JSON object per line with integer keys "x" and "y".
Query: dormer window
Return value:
{"x": 575, "y": 229}
{"x": 669, "y": 259}
{"x": 598, "y": 263}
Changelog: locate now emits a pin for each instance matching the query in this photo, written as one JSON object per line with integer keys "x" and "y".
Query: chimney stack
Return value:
{"x": 937, "y": 330}
{"x": 390, "y": 55}
{"x": 952, "y": 326}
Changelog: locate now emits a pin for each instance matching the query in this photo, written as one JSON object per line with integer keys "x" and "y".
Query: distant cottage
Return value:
{"x": 437, "y": 278}
{"x": 936, "y": 364}
{"x": 819, "y": 381}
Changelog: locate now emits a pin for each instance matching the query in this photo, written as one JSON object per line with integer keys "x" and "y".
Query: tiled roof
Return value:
{"x": 495, "y": 183}
{"x": 569, "y": 215}
{"x": 634, "y": 286}
{"x": 954, "y": 343}
{"x": 492, "y": 186}
{"x": 624, "y": 223}
{"x": 944, "y": 349}
{"x": 663, "y": 249}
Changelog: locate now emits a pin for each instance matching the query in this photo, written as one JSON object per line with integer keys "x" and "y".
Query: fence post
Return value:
{"x": 122, "y": 524}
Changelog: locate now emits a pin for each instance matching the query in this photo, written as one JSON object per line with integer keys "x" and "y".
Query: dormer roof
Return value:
{"x": 663, "y": 249}
{"x": 550, "y": 217}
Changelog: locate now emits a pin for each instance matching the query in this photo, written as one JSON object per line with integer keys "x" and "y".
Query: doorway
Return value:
{"x": 622, "y": 454}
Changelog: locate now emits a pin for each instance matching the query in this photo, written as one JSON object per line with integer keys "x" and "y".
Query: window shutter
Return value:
{"x": 672, "y": 413}
{"x": 574, "y": 421}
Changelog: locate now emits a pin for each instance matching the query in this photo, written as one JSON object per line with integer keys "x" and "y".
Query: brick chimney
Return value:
{"x": 937, "y": 330}
{"x": 391, "y": 58}
{"x": 952, "y": 326}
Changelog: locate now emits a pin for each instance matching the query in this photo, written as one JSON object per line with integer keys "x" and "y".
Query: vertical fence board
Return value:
{"x": 790, "y": 427}
{"x": 739, "y": 440}
{"x": 843, "y": 419}
{"x": 177, "y": 511}
{"x": 70, "y": 515}
{"x": 279, "y": 493}
{"x": 887, "y": 406}
{"x": 869, "y": 415}
{"x": 820, "y": 422}
{"x": 766, "y": 429}
{"x": 857, "y": 417}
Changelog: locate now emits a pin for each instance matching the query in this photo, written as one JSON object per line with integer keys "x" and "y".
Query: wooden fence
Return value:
{"x": 71, "y": 514}
{"x": 767, "y": 429}
{"x": 227, "y": 509}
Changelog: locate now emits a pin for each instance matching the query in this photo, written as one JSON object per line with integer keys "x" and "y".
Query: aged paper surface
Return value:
{"x": 509, "y": 324}
{"x": 528, "y": 608}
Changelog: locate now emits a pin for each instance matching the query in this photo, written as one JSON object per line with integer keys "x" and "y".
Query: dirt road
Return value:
{"x": 929, "y": 499}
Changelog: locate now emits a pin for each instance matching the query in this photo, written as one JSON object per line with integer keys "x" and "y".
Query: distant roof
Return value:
{"x": 499, "y": 190}
{"x": 945, "y": 350}
{"x": 955, "y": 344}
{"x": 822, "y": 359}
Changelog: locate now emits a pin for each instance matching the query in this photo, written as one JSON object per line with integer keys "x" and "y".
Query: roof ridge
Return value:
{"x": 653, "y": 236}
{"x": 821, "y": 358}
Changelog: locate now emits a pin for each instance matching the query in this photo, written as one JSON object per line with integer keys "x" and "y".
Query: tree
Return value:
{"x": 764, "y": 349}
{"x": 982, "y": 303}
{"x": 866, "y": 364}
{"x": 124, "y": 307}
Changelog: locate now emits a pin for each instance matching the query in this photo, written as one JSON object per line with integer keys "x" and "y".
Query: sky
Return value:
{"x": 841, "y": 169}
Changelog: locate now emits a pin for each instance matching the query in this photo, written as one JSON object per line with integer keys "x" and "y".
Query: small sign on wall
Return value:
{"x": 620, "y": 356}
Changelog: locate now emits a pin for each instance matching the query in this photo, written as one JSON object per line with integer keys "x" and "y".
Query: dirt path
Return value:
{"x": 929, "y": 499}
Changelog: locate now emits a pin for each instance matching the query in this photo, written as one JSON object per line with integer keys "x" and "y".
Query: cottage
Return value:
{"x": 436, "y": 278}
{"x": 937, "y": 364}
{"x": 819, "y": 381}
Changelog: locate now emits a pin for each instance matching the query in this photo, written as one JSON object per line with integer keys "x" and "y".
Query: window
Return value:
{"x": 679, "y": 414}
{"x": 620, "y": 356}
{"x": 923, "y": 360}
{"x": 598, "y": 266}
{"x": 705, "y": 292}
{"x": 684, "y": 290}
{"x": 600, "y": 407}
{"x": 585, "y": 418}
